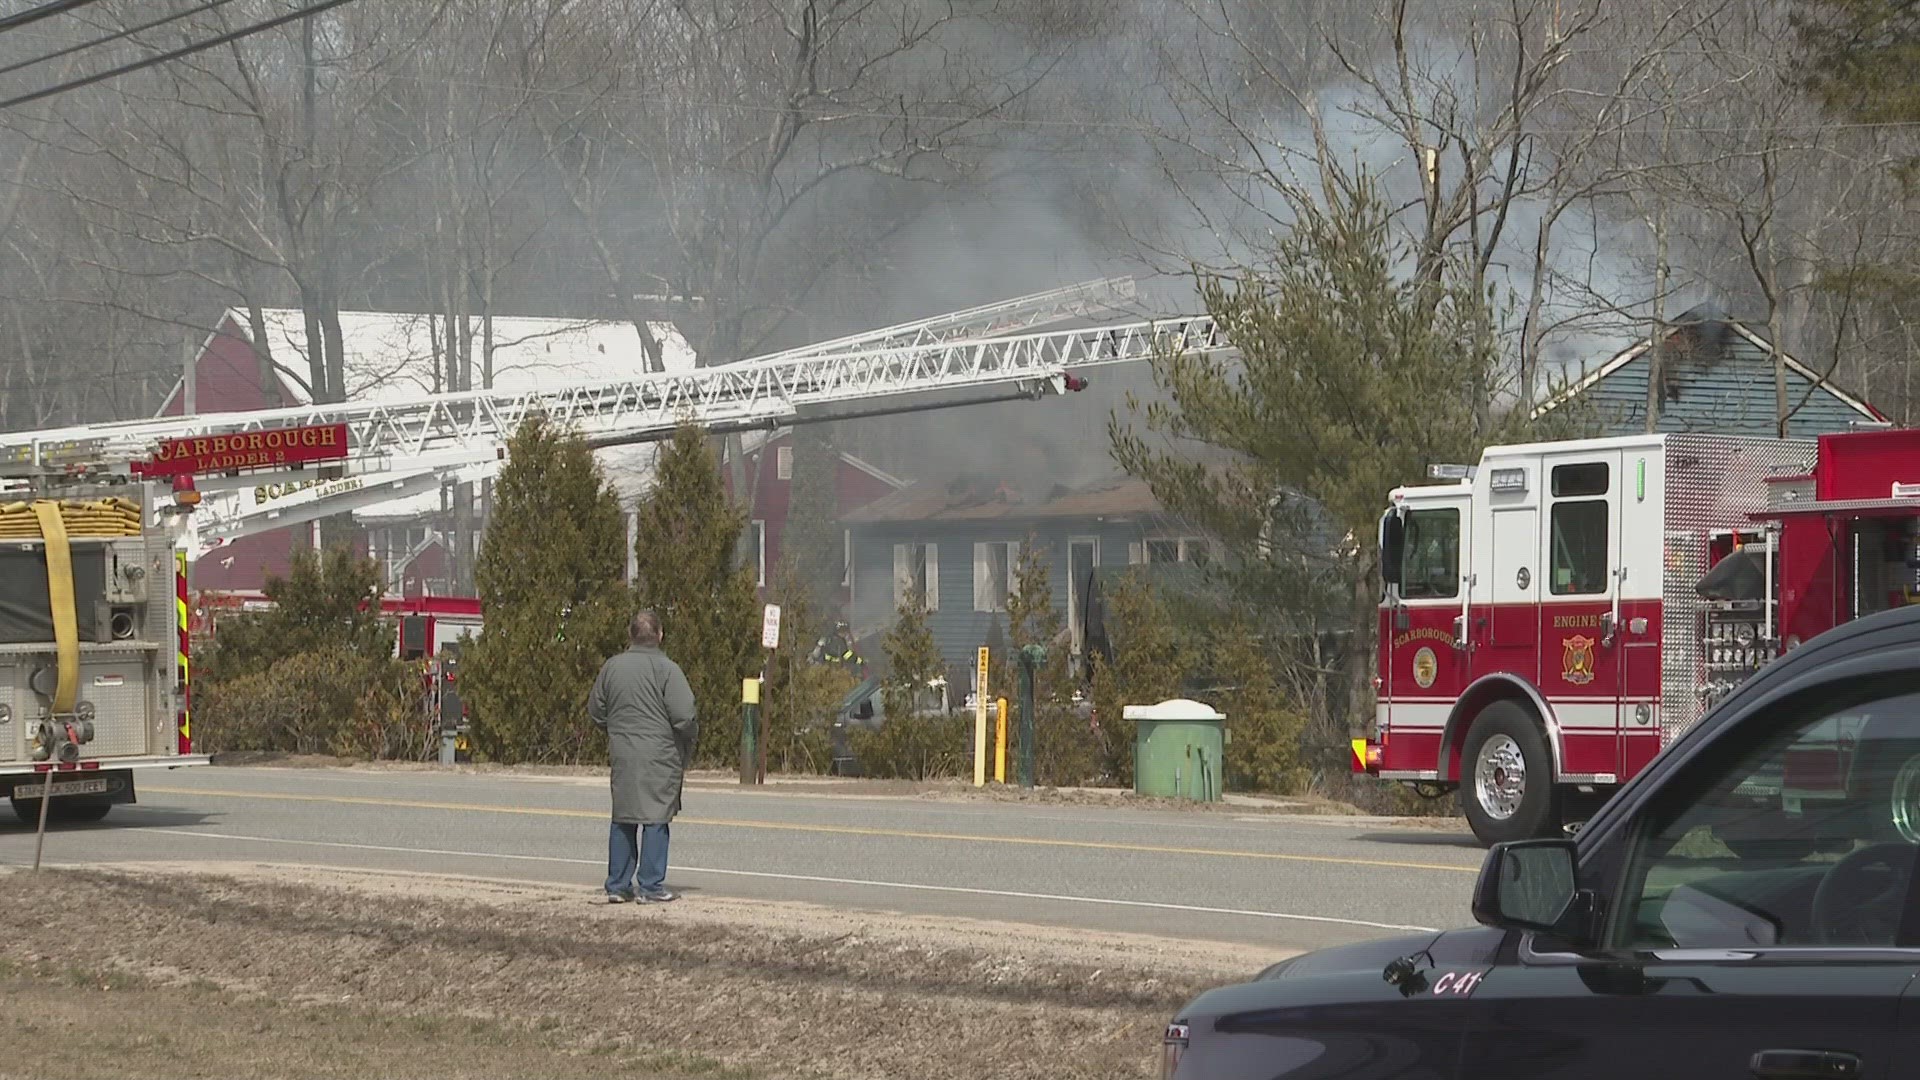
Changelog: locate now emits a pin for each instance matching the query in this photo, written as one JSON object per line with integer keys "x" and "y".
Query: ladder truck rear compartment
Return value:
{"x": 94, "y": 656}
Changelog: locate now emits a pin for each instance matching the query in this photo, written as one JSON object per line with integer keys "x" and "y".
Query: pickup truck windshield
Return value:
{"x": 1806, "y": 837}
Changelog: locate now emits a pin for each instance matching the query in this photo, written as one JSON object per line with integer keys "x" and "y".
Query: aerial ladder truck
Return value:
{"x": 343, "y": 456}
{"x": 399, "y": 449}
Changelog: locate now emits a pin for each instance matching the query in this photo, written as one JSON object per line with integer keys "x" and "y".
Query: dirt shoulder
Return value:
{"x": 256, "y": 969}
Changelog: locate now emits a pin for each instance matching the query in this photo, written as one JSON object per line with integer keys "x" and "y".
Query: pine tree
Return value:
{"x": 1149, "y": 664}
{"x": 811, "y": 534}
{"x": 1066, "y": 750}
{"x": 1349, "y": 377}
{"x": 315, "y": 673}
{"x": 684, "y": 549}
{"x": 549, "y": 575}
{"x": 913, "y": 659}
{"x": 800, "y": 697}
{"x": 327, "y": 601}
{"x": 1858, "y": 57}
{"x": 1264, "y": 752}
{"x": 910, "y": 744}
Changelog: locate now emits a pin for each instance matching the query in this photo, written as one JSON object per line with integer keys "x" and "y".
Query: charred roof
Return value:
{"x": 977, "y": 499}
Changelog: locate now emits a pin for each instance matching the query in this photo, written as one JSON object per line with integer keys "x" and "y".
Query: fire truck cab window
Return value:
{"x": 1430, "y": 559}
{"x": 1573, "y": 481}
{"x": 1579, "y": 531}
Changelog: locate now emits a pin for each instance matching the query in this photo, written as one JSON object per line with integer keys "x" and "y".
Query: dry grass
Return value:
{"x": 74, "y": 1024}
{"x": 242, "y": 975}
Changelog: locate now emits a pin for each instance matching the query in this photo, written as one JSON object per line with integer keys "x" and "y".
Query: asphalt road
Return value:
{"x": 1276, "y": 881}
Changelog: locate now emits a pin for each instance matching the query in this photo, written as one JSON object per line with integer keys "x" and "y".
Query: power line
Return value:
{"x": 992, "y": 118}
{"x": 985, "y": 118}
{"x": 96, "y": 42}
{"x": 186, "y": 50}
{"x": 44, "y": 11}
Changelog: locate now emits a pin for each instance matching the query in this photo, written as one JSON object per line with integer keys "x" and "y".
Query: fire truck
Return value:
{"x": 1556, "y": 615}
{"x": 94, "y": 647}
{"x": 427, "y": 625}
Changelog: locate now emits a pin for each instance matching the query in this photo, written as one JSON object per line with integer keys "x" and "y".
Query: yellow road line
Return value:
{"x": 844, "y": 830}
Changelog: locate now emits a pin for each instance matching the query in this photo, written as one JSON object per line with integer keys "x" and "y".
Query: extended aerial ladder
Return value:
{"x": 399, "y": 449}
{"x": 986, "y": 321}
{"x": 997, "y": 319}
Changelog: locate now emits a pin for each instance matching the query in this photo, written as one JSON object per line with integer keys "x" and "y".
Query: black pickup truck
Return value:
{"x": 1647, "y": 946}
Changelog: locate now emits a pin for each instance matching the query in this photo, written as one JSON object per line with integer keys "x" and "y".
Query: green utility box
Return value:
{"x": 1177, "y": 747}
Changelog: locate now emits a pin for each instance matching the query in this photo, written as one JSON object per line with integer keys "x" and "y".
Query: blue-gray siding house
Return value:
{"x": 961, "y": 544}
{"x": 1717, "y": 377}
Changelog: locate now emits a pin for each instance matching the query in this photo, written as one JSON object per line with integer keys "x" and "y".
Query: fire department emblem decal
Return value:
{"x": 1425, "y": 667}
{"x": 1577, "y": 660}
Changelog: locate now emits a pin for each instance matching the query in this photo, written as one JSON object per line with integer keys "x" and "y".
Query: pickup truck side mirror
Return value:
{"x": 1532, "y": 885}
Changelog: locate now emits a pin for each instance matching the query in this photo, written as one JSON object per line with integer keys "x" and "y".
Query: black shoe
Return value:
{"x": 624, "y": 896}
{"x": 659, "y": 896}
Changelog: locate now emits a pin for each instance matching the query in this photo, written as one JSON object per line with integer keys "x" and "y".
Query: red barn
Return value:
{"x": 399, "y": 356}
{"x": 227, "y": 378}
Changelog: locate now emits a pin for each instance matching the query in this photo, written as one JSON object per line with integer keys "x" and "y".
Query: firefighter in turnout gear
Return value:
{"x": 837, "y": 648}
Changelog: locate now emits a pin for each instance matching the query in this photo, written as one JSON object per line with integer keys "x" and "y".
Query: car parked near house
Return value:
{"x": 1648, "y": 946}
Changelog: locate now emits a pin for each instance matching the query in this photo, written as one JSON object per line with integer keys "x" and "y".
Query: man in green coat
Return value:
{"x": 642, "y": 701}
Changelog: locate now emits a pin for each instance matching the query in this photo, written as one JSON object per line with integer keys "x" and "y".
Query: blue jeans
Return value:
{"x": 636, "y": 850}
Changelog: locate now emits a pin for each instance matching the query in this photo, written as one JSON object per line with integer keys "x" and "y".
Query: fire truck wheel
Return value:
{"x": 80, "y": 811}
{"x": 1506, "y": 783}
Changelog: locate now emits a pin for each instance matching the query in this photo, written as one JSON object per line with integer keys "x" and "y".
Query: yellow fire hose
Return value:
{"x": 66, "y": 631}
{"x": 55, "y": 522}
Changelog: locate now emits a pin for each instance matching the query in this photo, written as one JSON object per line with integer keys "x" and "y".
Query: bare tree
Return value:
{"x": 775, "y": 141}
{"x": 1484, "y": 120}
{"x": 264, "y": 157}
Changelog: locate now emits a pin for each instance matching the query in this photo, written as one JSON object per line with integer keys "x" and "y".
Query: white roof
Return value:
{"x": 392, "y": 357}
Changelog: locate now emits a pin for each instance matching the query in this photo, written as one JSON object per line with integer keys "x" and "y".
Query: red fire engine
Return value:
{"x": 1558, "y": 614}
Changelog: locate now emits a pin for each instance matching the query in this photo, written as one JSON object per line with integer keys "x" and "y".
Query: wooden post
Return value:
{"x": 753, "y": 758}
{"x": 760, "y": 737}
{"x": 749, "y": 721}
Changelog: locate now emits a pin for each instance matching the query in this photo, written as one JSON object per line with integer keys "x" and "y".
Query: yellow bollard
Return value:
{"x": 1000, "y": 744}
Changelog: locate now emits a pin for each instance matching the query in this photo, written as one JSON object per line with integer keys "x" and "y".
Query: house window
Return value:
{"x": 916, "y": 570}
{"x": 783, "y": 462}
{"x": 1179, "y": 549}
{"x": 759, "y": 553}
{"x": 994, "y": 565}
